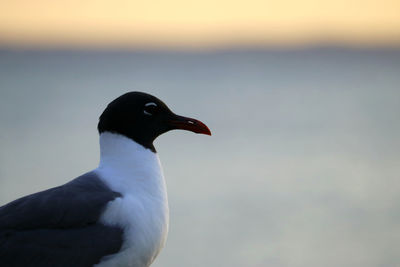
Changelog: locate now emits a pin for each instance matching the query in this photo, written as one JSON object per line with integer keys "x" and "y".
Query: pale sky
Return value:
{"x": 198, "y": 23}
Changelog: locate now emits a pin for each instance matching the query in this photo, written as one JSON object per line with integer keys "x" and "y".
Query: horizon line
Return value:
{"x": 201, "y": 47}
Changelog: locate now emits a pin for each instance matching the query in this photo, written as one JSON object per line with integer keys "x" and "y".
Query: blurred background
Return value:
{"x": 302, "y": 97}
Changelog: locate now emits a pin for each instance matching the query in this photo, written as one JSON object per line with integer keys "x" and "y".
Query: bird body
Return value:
{"x": 115, "y": 215}
{"x": 43, "y": 229}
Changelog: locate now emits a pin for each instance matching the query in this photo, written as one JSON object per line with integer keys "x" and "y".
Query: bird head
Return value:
{"x": 143, "y": 117}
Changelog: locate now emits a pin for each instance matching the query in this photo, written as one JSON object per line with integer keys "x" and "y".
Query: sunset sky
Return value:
{"x": 198, "y": 23}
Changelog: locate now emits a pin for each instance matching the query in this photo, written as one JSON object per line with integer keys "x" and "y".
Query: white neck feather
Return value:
{"x": 128, "y": 167}
{"x": 134, "y": 171}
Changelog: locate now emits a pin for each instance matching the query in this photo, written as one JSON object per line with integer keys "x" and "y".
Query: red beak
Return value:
{"x": 189, "y": 124}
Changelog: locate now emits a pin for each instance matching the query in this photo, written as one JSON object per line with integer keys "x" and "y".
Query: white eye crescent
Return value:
{"x": 149, "y": 108}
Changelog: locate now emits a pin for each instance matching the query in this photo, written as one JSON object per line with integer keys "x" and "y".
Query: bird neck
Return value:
{"x": 128, "y": 166}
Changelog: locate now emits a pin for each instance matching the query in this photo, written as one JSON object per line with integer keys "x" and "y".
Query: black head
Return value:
{"x": 142, "y": 117}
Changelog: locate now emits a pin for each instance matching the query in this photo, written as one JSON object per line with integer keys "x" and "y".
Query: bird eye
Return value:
{"x": 150, "y": 109}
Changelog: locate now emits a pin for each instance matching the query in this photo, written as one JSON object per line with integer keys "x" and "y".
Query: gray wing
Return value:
{"x": 59, "y": 226}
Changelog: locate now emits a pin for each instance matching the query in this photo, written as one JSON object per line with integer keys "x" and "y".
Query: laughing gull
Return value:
{"x": 115, "y": 215}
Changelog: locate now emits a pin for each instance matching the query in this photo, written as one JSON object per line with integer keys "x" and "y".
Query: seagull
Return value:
{"x": 114, "y": 215}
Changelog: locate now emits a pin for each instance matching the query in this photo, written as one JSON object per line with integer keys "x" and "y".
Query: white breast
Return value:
{"x": 142, "y": 211}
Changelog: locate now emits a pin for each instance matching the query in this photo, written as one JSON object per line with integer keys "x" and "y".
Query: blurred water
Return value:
{"x": 302, "y": 168}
